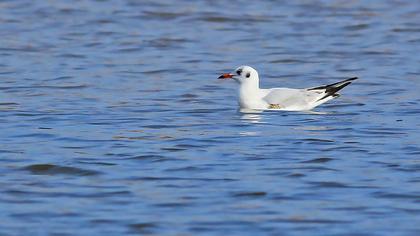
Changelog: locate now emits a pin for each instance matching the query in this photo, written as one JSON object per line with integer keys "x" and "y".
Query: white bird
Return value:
{"x": 251, "y": 96}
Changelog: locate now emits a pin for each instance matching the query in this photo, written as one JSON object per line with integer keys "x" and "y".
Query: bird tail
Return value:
{"x": 332, "y": 89}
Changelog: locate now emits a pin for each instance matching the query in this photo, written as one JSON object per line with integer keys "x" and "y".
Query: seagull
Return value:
{"x": 251, "y": 96}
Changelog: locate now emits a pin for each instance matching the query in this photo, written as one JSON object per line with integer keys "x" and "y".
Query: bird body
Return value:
{"x": 251, "y": 96}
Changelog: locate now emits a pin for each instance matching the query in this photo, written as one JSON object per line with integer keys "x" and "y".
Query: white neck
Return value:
{"x": 249, "y": 94}
{"x": 249, "y": 87}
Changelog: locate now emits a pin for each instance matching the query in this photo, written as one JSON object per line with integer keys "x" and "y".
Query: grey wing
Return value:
{"x": 304, "y": 99}
{"x": 292, "y": 98}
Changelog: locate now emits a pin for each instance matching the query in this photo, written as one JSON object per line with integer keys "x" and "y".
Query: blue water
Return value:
{"x": 113, "y": 122}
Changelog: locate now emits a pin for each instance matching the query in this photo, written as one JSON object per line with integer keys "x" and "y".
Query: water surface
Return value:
{"x": 112, "y": 120}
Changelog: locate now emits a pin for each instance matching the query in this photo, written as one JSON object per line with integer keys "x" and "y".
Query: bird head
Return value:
{"x": 242, "y": 75}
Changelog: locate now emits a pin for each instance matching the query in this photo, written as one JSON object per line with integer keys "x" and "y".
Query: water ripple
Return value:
{"x": 111, "y": 117}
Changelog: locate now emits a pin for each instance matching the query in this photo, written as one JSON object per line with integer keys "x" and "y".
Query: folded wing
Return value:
{"x": 304, "y": 99}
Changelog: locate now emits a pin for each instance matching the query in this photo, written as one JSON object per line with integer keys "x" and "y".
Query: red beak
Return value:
{"x": 226, "y": 76}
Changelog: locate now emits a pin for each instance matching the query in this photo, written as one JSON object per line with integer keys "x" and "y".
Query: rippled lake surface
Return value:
{"x": 112, "y": 120}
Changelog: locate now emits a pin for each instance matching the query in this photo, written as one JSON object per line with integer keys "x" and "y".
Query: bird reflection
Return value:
{"x": 251, "y": 116}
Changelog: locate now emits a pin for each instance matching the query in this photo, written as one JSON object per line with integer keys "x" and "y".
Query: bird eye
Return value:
{"x": 239, "y": 72}
{"x": 248, "y": 74}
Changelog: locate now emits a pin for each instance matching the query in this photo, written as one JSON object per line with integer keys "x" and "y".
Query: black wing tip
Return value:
{"x": 332, "y": 89}
{"x": 334, "y": 84}
{"x": 343, "y": 81}
{"x": 352, "y": 78}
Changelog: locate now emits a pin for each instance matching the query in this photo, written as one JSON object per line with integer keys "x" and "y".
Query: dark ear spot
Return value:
{"x": 248, "y": 74}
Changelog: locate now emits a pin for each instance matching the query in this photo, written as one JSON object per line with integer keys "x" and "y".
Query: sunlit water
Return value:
{"x": 112, "y": 120}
